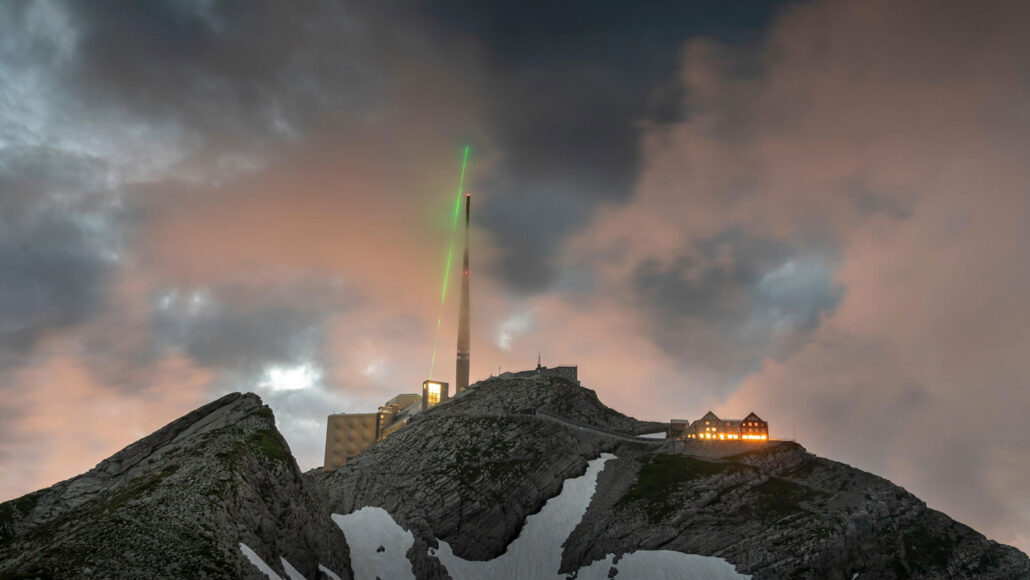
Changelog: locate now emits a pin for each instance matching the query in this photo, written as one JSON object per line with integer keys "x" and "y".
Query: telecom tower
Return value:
{"x": 461, "y": 373}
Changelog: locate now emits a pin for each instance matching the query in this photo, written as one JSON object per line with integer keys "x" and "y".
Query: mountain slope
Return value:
{"x": 780, "y": 512}
{"x": 469, "y": 472}
{"x": 520, "y": 474}
{"x": 177, "y": 504}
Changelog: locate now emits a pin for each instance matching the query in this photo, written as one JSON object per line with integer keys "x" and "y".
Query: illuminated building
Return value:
{"x": 434, "y": 393}
{"x": 392, "y": 414}
{"x": 350, "y": 434}
{"x": 712, "y": 428}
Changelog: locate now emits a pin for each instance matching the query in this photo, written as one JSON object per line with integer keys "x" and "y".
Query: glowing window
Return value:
{"x": 433, "y": 390}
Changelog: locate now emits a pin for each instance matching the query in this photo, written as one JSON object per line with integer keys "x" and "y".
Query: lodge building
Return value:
{"x": 711, "y": 427}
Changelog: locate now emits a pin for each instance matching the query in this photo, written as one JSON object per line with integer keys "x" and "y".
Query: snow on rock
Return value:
{"x": 536, "y": 553}
{"x": 258, "y": 562}
{"x": 267, "y": 570}
{"x": 292, "y": 572}
{"x": 378, "y": 545}
{"x": 660, "y": 435}
{"x": 661, "y": 565}
{"x": 332, "y": 575}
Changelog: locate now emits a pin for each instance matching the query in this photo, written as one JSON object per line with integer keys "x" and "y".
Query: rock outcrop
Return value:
{"x": 181, "y": 502}
{"x": 177, "y": 504}
{"x": 780, "y": 512}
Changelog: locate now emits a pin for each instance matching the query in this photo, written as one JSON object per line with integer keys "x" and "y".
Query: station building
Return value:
{"x": 711, "y": 427}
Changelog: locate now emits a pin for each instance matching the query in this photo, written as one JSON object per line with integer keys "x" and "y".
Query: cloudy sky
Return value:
{"x": 814, "y": 210}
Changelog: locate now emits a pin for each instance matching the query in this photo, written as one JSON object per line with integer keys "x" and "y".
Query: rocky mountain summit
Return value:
{"x": 471, "y": 488}
{"x": 177, "y": 504}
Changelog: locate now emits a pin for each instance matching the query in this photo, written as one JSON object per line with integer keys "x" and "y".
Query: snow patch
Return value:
{"x": 660, "y": 435}
{"x": 378, "y": 545}
{"x": 332, "y": 575}
{"x": 536, "y": 553}
{"x": 292, "y": 572}
{"x": 258, "y": 562}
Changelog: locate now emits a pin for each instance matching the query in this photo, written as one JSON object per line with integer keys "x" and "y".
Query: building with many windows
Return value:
{"x": 348, "y": 435}
{"x": 711, "y": 427}
{"x": 434, "y": 393}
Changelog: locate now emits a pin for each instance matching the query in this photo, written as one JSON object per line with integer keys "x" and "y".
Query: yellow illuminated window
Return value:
{"x": 434, "y": 394}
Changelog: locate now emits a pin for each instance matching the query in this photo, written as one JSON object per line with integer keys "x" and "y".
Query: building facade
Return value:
{"x": 348, "y": 435}
{"x": 711, "y": 427}
{"x": 569, "y": 372}
{"x": 392, "y": 412}
{"x": 677, "y": 428}
{"x": 434, "y": 393}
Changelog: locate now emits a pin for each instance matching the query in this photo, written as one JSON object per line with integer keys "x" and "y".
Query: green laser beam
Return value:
{"x": 450, "y": 255}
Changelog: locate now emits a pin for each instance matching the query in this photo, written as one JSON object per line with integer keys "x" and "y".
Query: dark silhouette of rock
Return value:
{"x": 179, "y": 503}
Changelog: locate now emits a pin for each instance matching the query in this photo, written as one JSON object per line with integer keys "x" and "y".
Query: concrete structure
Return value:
{"x": 348, "y": 435}
{"x": 711, "y": 427}
{"x": 677, "y": 428}
{"x": 461, "y": 372}
{"x": 570, "y": 372}
{"x": 434, "y": 393}
{"x": 390, "y": 413}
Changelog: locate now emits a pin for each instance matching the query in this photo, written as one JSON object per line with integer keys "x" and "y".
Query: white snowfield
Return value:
{"x": 661, "y": 435}
{"x": 378, "y": 547}
{"x": 369, "y": 529}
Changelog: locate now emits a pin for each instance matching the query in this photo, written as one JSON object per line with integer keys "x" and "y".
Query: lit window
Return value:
{"x": 434, "y": 394}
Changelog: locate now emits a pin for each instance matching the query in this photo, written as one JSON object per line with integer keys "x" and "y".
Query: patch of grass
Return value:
{"x": 490, "y": 460}
{"x": 264, "y": 411}
{"x": 137, "y": 488}
{"x": 662, "y": 474}
{"x": 777, "y": 498}
{"x": 269, "y": 444}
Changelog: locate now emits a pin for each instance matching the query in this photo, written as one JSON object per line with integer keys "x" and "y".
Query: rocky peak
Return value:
{"x": 177, "y": 503}
{"x": 515, "y": 393}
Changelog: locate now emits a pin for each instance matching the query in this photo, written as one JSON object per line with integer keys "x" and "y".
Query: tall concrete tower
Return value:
{"x": 461, "y": 373}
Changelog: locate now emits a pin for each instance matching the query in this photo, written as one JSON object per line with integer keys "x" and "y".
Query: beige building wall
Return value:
{"x": 347, "y": 436}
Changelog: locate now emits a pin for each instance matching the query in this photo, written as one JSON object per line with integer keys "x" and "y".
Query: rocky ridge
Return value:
{"x": 176, "y": 504}
{"x": 469, "y": 472}
{"x": 780, "y": 512}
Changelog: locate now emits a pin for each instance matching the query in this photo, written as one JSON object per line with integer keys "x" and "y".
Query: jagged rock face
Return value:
{"x": 470, "y": 481}
{"x": 515, "y": 392}
{"x": 471, "y": 470}
{"x": 176, "y": 504}
{"x": 781, "y": 512}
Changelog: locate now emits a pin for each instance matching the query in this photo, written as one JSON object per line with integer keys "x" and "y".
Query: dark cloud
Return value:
{"x": 248, "y": 327}
{"x": 234, "y": 71}
{"x": 56, "y": 262}
{"x": 568, "y": 88}
{"x": 735, "y": 301}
